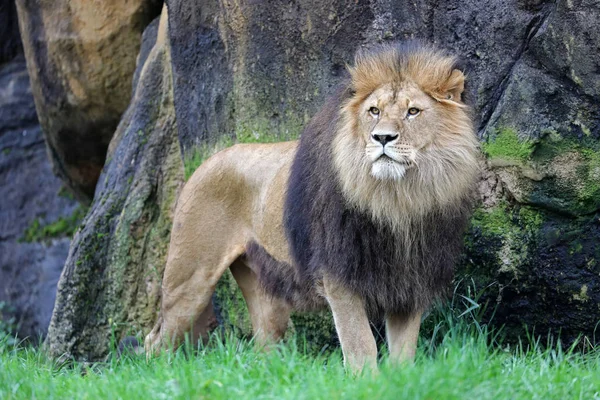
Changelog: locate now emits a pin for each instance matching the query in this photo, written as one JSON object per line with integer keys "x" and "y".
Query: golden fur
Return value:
{"x": 238, "y": 197}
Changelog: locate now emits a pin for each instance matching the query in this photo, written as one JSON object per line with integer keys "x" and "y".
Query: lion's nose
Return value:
{"x": 384, "y": 139}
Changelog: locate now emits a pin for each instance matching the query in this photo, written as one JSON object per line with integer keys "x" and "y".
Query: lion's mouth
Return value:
{"x": 386, "y": 158}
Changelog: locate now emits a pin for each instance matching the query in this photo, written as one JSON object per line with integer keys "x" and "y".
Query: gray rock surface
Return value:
{"x": 244, "y": 69}
{"x": 29, "y": 191}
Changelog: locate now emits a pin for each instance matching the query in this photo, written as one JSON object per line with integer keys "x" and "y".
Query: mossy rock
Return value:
{"x": 538, "y": 271}
{"x": 554, "y": 172}
{"x": 37, "y": 231}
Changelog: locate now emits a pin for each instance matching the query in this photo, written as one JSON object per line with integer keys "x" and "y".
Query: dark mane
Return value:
{"x": 328, "y": 237}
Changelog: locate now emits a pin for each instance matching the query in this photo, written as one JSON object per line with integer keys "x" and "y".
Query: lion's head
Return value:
{"x": 405, "y": 142}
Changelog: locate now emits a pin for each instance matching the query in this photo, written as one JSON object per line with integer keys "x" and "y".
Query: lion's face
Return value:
{"x": 405, "y": 142}
{"x": 397, "y": 124}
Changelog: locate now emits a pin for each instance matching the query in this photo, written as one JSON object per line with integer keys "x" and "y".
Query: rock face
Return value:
{"x": 247, "y": 72}
{"x": 542, "y": 139}
{"x": 9, "y": 32}
{"x": 81, "y": 59}
{"x": 111, "y": 280}
{"x": 33, "y": 216}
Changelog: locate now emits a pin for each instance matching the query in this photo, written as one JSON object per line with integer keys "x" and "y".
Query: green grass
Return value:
{"x": 460, "y": 364}
{"x": 460, "y": 369}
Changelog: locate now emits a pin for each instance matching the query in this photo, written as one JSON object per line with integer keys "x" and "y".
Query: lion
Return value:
{"x": 364, "y": 214}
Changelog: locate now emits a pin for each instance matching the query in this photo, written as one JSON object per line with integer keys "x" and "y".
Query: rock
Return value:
{"x": 543, "y": 142}
{"x": 111, "y": 281}
{"x": 9, "y": 32}
{"x": 31, "y": 203}
{"x": 81, "y": 59}
{"x": 250, "y": 71}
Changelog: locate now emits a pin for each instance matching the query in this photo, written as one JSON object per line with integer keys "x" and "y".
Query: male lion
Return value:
{"x": 364, "y": 213}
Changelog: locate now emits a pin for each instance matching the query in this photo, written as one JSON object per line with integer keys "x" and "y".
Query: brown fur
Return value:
{"x": 332, "y": 219}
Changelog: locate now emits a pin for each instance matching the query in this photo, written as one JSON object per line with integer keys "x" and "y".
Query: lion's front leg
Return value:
{"x": 402, "y": 333}
{"x": 352, "y": 326}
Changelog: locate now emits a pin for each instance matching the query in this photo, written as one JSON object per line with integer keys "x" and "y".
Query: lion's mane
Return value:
{"x": 399, "y": 262}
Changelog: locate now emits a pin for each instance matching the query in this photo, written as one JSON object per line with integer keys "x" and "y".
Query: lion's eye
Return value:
{"x": 413, "y": 111}
{"x": 374, "y": 111}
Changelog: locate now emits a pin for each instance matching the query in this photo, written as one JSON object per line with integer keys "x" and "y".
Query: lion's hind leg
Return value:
{"x": 187, "y": 298}
{"x": 269, "y": 315}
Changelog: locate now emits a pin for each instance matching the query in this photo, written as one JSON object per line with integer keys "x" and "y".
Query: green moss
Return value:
{"x": 265, "y": 131}
{"x": 65, "y": 193}
{"x": 195, "y": 158}
{"x": 582, "y": 295}
{"x": 63, "y": 227}
{"x": 590, "y": 191}
{"x": 575, "y": 247}
{"x": 138, "y": 243}
{"x": 508, "y": 233}
{"x": 586, "y": 131}
{"x": 504, "y": 220}
{"x": 562, "y": 173}
{"x": 507, "y": 145}
{"x": 530, "y": 218}
{"x": 6, "y": 151}
{"x": 142, "y": 136}
{"x": 553, "y": 145}
{"x": 256, "y": 132}
{"x": 495, "y": 220}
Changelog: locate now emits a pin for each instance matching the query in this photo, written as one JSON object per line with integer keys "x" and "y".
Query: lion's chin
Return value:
{"x": 384, "y": 168}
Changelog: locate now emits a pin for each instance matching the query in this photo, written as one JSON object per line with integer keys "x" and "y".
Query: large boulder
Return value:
{"x": 539, "y": 241}
{"x": 111, "y": 281}
{"x": 81, "y": 57}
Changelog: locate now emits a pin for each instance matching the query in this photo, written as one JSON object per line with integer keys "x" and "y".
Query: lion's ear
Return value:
{"x": 453, "y": 88}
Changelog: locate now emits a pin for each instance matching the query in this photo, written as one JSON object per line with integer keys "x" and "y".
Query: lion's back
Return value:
{"x": 255, "y": 161}
{"x": 244, "y": 185}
